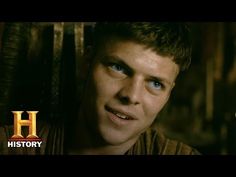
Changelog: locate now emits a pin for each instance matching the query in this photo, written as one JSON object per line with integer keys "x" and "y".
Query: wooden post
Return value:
{"x": 79, "y": 45}
{"x": 56, "y": 66}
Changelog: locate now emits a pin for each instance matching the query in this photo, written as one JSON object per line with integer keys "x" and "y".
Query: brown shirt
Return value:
{"x": 150, "y": 142}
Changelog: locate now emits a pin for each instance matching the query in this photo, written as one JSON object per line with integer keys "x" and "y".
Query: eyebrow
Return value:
{"x": 119, "y": 61}
{"x": 131, "y": 71}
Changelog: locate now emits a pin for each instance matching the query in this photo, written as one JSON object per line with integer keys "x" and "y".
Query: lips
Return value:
{"x": 120, "y": 114}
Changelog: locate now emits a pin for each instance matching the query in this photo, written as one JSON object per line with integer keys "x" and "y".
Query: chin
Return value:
{"x": 115, "y": 137}
{"x": 112, "y": 136}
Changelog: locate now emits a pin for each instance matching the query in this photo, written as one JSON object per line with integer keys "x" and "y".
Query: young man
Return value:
{"x": 132, "y": 71}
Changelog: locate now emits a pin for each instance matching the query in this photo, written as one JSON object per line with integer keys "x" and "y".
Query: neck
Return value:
{"x": 103, "y": 150}
{"x": 106, "y": 149}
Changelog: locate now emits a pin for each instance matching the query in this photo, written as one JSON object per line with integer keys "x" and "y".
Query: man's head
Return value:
{"x": 133, "y": 72}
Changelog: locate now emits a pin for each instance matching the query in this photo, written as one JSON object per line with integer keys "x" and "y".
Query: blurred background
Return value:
{"x": 40, "y": 64}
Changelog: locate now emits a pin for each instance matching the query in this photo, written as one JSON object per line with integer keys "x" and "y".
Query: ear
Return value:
{"x": 173, "y": 85}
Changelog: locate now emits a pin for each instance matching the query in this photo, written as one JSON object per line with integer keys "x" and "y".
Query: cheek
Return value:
{"x": 104, "y": 85}
{"x": 153, "y": 105}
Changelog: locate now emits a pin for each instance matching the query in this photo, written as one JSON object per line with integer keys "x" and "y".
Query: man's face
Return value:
{"x": 132, "y": 84}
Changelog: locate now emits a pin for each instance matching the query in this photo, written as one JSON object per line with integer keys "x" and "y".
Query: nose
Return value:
{"x": 130, "y": 92}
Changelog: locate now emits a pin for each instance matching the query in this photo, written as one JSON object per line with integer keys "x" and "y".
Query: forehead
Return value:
{"x": 141, "y": 59}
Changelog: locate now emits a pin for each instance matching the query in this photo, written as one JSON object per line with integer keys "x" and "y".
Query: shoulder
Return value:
{"x": 154, "y": 142}
{"x": 167, "y": 146}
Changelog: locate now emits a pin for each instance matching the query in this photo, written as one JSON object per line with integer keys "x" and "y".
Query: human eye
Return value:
{"x": 156, "y": 85}
{"x": 117, "y": 68}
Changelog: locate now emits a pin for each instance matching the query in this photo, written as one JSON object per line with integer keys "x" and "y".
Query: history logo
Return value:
{"x": 17, "y": 140}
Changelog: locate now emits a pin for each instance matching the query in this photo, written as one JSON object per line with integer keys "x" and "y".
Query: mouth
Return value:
{"x": 120, "y": 114}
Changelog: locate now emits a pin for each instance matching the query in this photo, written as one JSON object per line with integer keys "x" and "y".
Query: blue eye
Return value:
{"x": 156, "y": 85}
{"x": 117, "y": 68}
